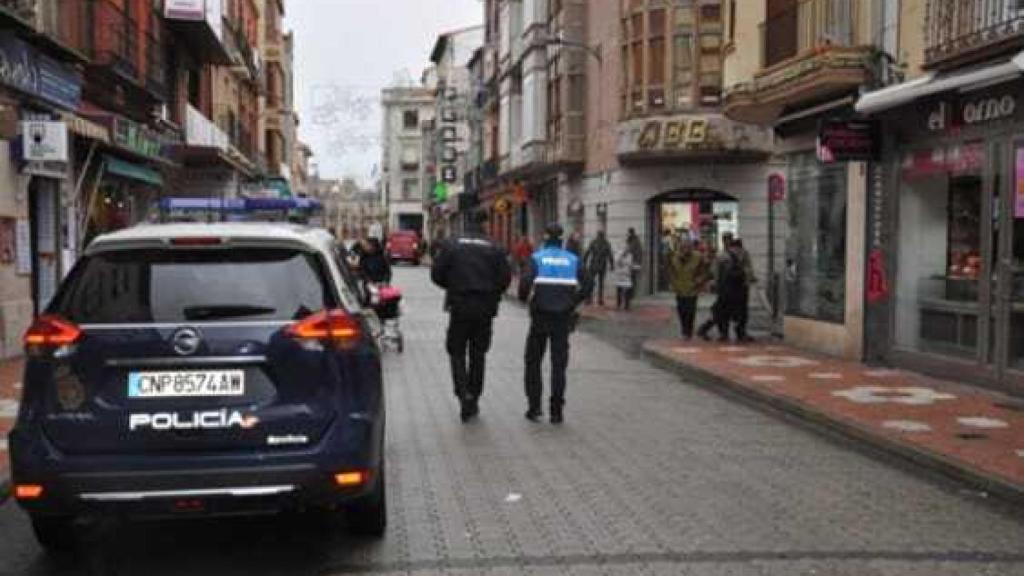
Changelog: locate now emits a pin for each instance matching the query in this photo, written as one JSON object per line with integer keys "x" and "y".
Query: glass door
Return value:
{"x": 1011, "y": 266}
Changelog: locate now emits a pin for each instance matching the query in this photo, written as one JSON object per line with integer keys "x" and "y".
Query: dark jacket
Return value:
{"x": 599, "y": 256}
{"x": 474, "y": 272}
{"x": 730, "y": 279}
{"x": 376, "y": 267}
{"x": 554, "y": 282}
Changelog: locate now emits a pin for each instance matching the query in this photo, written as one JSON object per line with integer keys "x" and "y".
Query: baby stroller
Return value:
{"x": 386, "y": 302}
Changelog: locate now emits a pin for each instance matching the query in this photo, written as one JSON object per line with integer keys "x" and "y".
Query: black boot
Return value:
{"x": 470, "y": 408}
{"x": 556, "y": 411}
{"x": 533, "y": 413}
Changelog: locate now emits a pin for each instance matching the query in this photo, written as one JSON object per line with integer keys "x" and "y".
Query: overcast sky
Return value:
{"x": 345, "y": 52}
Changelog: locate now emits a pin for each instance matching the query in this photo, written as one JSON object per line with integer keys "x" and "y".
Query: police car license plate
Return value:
{"x": 189, "y": 384}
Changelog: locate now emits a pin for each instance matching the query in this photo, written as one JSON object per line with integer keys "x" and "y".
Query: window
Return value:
{"x": 671, "y": 54}
{"x": 411, "y": 119}
{"x": 144, "y": 286}
{"x": 410, "y": 157}
{"x": 816, "y": 247}
{"x": 410, "y": 189}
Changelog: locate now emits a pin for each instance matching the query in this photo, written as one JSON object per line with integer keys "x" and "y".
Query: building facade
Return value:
{"x": 801, "y": 78}
{"x": 142, "y": 100}
{"x": 945, "y": 223}
{"x": 456, "y": 91}
{"x": 403, "y": 185}
{"x": 609, "y": 117}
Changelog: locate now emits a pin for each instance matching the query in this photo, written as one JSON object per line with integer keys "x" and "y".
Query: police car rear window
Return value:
{"x": 173, "y": 286}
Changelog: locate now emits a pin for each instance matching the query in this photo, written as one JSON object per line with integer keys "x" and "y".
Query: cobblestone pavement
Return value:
{"x": 649, "y": 475}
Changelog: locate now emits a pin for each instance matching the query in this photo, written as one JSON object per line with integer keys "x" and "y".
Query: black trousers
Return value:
{"x": 546, "y": 328}
{"x": 469, "y": 340}
{"x": 686, "y": 306}
{"x": 741, "y": 313}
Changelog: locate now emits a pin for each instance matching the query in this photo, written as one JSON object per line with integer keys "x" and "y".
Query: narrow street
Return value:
{"x": 649, "y": 475}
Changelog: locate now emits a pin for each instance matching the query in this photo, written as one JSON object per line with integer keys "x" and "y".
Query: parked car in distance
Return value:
{"x": 404, "y": 246}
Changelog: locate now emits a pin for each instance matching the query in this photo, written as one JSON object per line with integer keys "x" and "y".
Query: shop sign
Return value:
{"x": 672, "y": 134}
{"x": 972, "y": 112}
{"x": 847, "y": 141}
{"x": 185, "y": 10}
{"x": 137, "y": 138}
{"x": 44, "y": 141}
{"x": 24, "y": 68}
{"x": 502, "y": 206}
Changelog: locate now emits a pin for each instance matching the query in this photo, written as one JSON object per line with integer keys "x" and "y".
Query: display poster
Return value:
{"x": 23, "y": 248}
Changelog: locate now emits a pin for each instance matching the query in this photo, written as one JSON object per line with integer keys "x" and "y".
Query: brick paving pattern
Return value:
{"x": 981, "y": 431}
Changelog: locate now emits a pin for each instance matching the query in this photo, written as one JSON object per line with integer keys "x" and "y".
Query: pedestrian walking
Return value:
{"x": 597, "y": 260}
{"x": 475, "y": 273}
{"x": 730, "y": 285}
{"x": 555, "y": 284}
{"x": 742, "y": 312}
{"x": 688, "y": 274}
{"x": 636, "y": 250}
{"x": 624, "y": 279}
{"x": 521, "y": 253}
{"x": 374, "y": 263}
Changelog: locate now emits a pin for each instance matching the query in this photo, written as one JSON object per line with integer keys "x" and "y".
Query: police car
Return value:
{"x": 197, "y": 370}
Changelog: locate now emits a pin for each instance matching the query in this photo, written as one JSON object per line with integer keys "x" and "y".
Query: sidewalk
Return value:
{"x": 967, "y": 433}
{"x": 10, "y": 391}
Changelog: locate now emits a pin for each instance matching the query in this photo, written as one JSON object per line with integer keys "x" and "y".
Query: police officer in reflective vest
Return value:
{"x": 555, "y": 284}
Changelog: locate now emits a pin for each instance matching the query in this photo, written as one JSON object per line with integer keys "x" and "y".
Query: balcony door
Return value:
{"x": 780, "y": 31}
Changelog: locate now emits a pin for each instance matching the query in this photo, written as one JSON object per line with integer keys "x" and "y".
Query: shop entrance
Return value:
{"x": 701, "y": 215}
{"x": 960, "y": 277}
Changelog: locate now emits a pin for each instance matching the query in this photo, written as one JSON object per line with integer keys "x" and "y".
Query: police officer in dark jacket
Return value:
{"x": 475, "y": 273}
{"x": 555, "y": 284}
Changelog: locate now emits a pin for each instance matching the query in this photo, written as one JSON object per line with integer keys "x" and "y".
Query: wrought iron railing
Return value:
{"x": 956, "y": 27}
{"x": 807, "y": 25}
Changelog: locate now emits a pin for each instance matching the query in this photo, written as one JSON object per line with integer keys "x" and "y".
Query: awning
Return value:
{"x": 132, "y": 171}
{"x": 86, "y": 128}
{"x": 934, "y": 83}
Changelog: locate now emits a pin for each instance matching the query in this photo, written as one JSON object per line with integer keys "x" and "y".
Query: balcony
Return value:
{"x": 201, "y": 28}
{"x": 809, "y": 52}
{"x": 959, "y": 32}
{"x": 242, "y": 56}
{"x": 201, "y": 132}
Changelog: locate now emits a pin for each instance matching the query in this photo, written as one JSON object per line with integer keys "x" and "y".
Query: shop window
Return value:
{"x": 940, "y": 249}
{"x": 411, "y": 120}
{"x": 816, "y": 246}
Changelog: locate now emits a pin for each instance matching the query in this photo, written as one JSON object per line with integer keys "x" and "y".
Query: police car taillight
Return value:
{"x": 336, "y": 327}
{"x": 49, "y": 332}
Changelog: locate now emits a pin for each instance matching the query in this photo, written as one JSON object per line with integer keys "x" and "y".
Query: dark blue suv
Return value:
{"x": 202, "y": 369}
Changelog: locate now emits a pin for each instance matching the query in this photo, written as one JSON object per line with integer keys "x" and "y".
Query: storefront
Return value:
{"x": 696, "y": 174}
{"x": 702, "y": 216}
{"x": 127, "y": 178}
{"x": 34, "y": 181}
{"x": 953, "y": 236}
